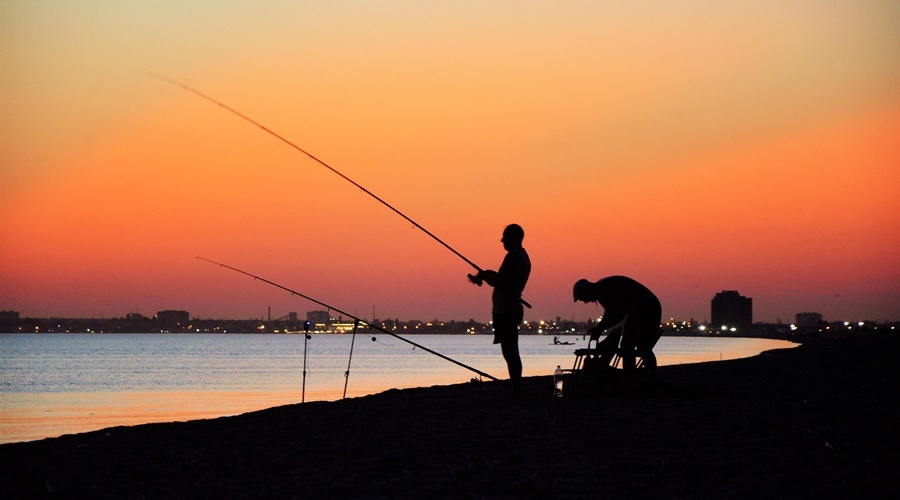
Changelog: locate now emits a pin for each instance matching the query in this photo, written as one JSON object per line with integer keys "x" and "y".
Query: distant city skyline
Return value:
{"x": 731, "y": 310}
{"x": 805, "y": 327}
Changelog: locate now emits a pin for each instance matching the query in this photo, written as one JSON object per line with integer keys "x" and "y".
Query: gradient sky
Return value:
{"x": 695, "y": 146}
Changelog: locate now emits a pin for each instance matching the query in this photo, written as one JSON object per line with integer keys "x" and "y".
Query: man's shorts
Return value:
{"x": 506, "y": 325}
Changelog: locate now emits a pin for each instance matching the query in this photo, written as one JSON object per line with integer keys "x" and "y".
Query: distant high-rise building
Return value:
{"x": 732, "y": 310}
{"x": 9, "y": 317}
{"x": 173, "y": 318}
{"x": 320, "y": 318}
{"x": 808, "y": 320}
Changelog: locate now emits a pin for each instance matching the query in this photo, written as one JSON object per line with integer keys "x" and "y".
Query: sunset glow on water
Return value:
{"x": 61, "y": 384}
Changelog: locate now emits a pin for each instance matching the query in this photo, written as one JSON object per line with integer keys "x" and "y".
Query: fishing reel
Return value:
{"x": 475, "y": 279}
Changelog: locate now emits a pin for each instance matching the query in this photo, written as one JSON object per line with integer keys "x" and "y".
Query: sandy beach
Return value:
{"x": 818, "y": 420}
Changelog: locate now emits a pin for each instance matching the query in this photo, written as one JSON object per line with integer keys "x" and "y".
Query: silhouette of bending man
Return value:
{"x": 507, "y": 312}
{"x": 623, "y": 298}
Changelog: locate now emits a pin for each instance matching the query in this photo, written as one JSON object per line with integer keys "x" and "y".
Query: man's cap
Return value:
{"x": 579, "y": 288}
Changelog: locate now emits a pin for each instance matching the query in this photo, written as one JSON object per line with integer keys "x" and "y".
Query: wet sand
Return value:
{"x": 819, "y": 420}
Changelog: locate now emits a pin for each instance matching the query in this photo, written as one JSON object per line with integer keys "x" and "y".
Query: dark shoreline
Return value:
{"x": 818, "y": 420}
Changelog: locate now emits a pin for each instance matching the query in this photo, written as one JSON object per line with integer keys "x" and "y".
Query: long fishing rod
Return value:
{"x": 305, "y": 345}
{"x": 349, "y": 360}
{"x": 320, "y": 162}
{"x": 360, "y": 320}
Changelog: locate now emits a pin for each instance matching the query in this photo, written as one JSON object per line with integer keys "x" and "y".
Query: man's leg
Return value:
{"x": 649, "y": 331}
{"x": 510, "y": 348}
{"x": 506, "y": 329}
{"x": 642, "y": 332}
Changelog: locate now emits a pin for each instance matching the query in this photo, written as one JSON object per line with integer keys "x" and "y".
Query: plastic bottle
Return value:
{"x": 558, "y": 382}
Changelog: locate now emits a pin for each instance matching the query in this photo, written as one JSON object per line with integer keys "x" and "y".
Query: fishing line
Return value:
{"x": 320, "y": 162}
{"x": 360, "y": 320}
{"x": 375, "y": 339}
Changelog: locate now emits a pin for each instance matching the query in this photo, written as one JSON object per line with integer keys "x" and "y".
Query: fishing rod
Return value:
{"x": 320, "y": 162}
{"x": 358, "y": 319}
{"x": 306, "y": 325}
{"x": 349, "y": 360}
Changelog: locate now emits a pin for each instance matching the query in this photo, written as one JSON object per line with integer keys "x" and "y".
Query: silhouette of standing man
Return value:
{"x": 507, "y": 311}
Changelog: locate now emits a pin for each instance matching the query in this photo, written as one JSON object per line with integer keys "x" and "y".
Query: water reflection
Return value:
{"x": 61, "y": 384}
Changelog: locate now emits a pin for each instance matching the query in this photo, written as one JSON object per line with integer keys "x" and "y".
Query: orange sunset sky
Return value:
{"x": 694, "y": 146}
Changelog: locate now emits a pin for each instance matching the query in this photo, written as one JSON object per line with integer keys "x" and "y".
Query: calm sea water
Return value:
{"x": 54, "y": 384}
